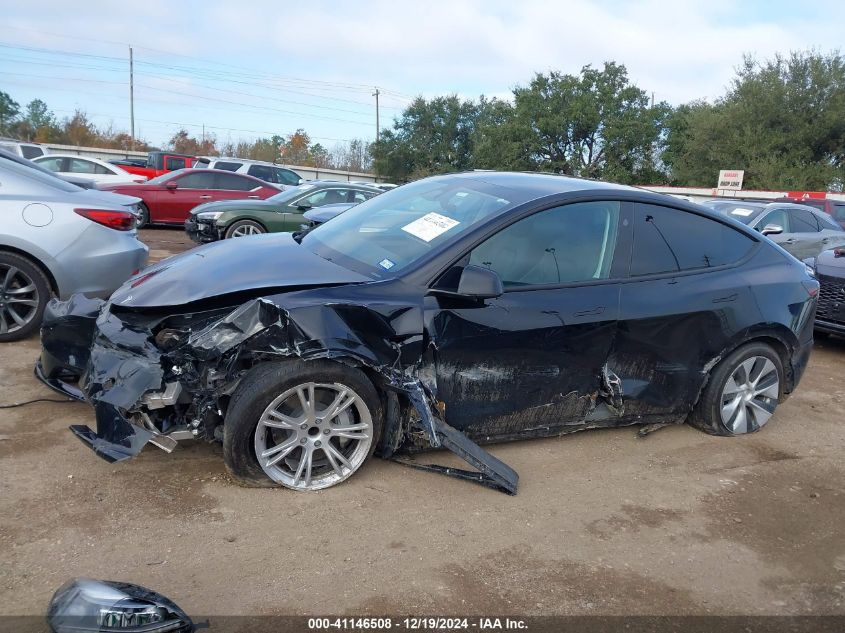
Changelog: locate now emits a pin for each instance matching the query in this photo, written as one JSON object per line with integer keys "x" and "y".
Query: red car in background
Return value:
{"x": 157, "y": 164}
{"x": 169, "y": 199}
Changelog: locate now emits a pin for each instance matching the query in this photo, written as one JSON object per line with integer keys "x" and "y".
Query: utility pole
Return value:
{"x": 652, "y": 99}
{"x": 131, "y": 99}
{"x": 376, "y": 94}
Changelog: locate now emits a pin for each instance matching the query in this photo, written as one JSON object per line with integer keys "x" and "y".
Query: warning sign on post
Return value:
{"x": 731, "y": 179}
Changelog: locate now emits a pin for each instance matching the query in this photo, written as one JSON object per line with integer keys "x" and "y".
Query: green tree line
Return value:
{"x": 781, "y": 120}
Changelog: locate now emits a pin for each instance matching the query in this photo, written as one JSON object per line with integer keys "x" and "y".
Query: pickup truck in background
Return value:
{"x": 159, "y": 163}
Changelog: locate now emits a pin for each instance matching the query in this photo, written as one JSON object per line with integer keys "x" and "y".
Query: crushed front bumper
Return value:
{"x": 202, "y": 232}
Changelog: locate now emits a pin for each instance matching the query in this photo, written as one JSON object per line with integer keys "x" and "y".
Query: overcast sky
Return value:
{"x": 254, "y": 68}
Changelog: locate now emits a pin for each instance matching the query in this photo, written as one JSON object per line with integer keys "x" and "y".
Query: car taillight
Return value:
{"x": 117, "y": 220}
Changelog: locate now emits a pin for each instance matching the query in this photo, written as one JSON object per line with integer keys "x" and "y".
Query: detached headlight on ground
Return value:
{"x": 209, "y": 215}
{"x": 98, "y": 605}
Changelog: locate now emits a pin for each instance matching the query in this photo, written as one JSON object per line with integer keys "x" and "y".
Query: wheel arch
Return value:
{"x": 54, "y": 286}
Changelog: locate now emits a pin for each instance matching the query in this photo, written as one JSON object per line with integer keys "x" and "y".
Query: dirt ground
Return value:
{"x": 604, "y": 523}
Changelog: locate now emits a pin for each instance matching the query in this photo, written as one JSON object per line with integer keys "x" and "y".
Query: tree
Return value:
{"x": 781, "y": 121}
{"x": 430, "y": 137}
{"x": 596, "y": 125}
{"x": 295, "y": 149}
{"x": 79, "y": 130}
{"x": 9, "y": 110}
{"x": 183, "y": 143}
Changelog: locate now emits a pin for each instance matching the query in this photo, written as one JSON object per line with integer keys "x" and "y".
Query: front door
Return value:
{"x": 532, "y": 362}
{"x": 192, "y": 189}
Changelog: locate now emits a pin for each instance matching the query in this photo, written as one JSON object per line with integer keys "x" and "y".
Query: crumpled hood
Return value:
{"x": 270, "y": 261}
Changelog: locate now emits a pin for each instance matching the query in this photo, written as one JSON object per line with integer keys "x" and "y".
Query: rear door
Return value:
{"x": 236, "y": 187}
{"x": 806, "y": 237}
{"x": 678, "y": 308}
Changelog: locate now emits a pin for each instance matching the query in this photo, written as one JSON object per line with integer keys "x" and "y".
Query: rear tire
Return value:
{"x": 24, "y": 293}
{"x": 742, "y": 392}
{"x": 143, "y": 216}
{"x": 271, "y": 439}
{"x": 243, "y": 228}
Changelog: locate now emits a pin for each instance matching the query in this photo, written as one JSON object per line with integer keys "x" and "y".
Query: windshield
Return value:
{"x": 745, "y": 213}
{"x": 386, "y": 234}
{"x": 290, "y": 194}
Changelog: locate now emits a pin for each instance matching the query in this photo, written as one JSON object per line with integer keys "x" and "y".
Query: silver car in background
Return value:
{"x": 801, "y": 230}
{"x": 58, "y": 239}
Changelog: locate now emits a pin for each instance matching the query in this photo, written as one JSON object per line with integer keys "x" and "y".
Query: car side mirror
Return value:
{"x": 475, "y": 282}
{"x": 171, "y": 185}
{"x": 772, "y": 229}
{"x": 304, "y": 206}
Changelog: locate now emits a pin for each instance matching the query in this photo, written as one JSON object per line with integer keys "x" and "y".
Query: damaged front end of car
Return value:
{"x": 155, "y": 377}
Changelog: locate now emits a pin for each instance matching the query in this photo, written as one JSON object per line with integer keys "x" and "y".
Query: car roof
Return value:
{"x": 541, "y": 184}
{"x": 339, "y": 182}
{"x": 249, "y": 161}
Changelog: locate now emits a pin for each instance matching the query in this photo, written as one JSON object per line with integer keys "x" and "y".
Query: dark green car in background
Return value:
{"x": 279, "y": 213}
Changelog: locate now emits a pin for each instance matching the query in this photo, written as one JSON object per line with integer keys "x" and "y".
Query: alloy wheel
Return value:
{"x": 750, "y": 395}
{"x": 246, "y": 229}
{"x": 314, "y": 436}
{"x": 18, "y": 299}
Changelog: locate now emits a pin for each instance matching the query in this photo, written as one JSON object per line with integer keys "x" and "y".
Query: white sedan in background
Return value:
{"x": 92, "y": 168}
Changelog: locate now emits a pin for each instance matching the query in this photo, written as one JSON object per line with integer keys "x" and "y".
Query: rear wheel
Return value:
{"x": 24, "y": 293}
{"x": 242, "y": 228}
{"x": 143, "y": 216}
{"x": 303, "y": 425}
{"x": 743, "y": 392}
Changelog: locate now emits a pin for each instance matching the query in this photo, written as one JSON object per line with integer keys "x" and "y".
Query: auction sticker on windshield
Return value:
{"x": 430, "y": 226}
{"x": 742, "y": 212}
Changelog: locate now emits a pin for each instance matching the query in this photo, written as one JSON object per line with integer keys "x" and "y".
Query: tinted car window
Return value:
{"x": 233, "y": 182}
{"x": 196, "y": 180}
{"x": 172, "y": 163}
{"x": 326, "y": 196}
{"x": 802, "y": 221}
{"x": 287, "y": 177}
{"x": 562, "y": 245}
{"x": 839, "y": 211}
{"x": 669, "y": 240}
{"x": 227, "y": 165}
{"x": 827, "y": 222}
{"x": 263, "y": 172}
{"x": 31, "y": 152}
{"x": 778, "y": 217}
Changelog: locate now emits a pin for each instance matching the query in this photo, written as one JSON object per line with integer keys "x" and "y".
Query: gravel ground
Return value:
{"x": 604, "y": 523}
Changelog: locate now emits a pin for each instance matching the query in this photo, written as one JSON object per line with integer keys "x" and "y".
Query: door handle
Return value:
{"x": 594, "y": 312}
{"x": 255, "y": 197}
{"x": 205, "y": 197}
{"x": 791, "y": 240}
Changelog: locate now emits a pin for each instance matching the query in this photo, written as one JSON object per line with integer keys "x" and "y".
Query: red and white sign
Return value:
{"x": 730, "y": 179}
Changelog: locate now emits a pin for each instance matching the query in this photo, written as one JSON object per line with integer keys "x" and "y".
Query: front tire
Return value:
{"x": 742, "y": 393}
{"x": 303, "y": 425}
{"x": 242, "y": 228}
{"x": 24, "y": 293}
